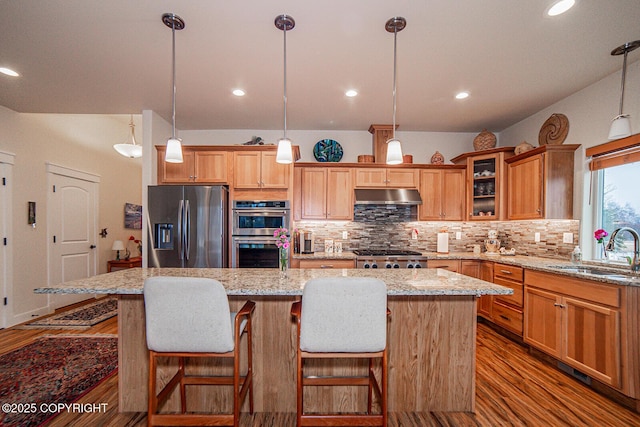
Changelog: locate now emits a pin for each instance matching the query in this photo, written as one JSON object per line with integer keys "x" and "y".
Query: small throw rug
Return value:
{"x": 37, "y": 380}
{"x": 81, "y": 317}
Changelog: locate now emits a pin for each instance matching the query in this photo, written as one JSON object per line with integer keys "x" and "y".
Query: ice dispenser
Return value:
{"x": 163, "y": 236}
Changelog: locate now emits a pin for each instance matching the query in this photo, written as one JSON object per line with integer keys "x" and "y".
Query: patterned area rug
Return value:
{"x": 81, "y": 317}
{"x": 38, "y": 379}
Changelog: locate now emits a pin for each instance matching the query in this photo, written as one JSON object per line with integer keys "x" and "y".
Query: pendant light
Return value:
{"x": 394, "y": 148}
{"x": 284, "y": 154}
{"x": 131, "y": 149}
{"x": 621, "y": 125}
{"x": 174, "y": 145}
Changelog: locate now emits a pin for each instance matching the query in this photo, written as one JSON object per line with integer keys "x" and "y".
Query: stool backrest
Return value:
{"x": 343, "y": 314}
{"x": 187, "y": 314}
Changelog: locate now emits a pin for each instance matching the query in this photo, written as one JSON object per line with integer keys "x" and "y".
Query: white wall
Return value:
{"x": 590, "y": 112}
{"x": 76, "y": 141}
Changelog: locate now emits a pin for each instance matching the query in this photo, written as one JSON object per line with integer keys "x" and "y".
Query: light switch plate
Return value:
{"x": 458, "y": 235}
{"x": 345, "y": 235}
{"x": 536, "y": 237}
{"x": 567, "y": 237}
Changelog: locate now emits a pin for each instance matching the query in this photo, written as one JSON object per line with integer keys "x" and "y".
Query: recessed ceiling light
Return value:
{"x": 351, "y": 93}
{"x": 238, "y": 92}
{"x": 8, "y": 72}
{"x": 462, "y": 95}
{"x": 560, "y": 7}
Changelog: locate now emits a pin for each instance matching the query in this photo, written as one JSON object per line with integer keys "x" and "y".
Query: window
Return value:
{"x": 619, "y": 206}
{"x": 616, "y": 197}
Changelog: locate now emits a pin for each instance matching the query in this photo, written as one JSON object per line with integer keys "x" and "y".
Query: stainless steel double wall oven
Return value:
{"x": 254, "y": 223}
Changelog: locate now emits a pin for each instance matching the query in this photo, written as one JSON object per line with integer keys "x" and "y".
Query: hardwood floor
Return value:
{"x": 513, "y": 389}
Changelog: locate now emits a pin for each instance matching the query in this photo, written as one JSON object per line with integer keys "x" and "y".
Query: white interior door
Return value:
{"x": 6, "y": 241}
{"x": 72, "y": 230}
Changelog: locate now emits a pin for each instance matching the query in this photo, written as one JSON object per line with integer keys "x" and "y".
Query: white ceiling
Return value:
{"x": 114, "y": 57}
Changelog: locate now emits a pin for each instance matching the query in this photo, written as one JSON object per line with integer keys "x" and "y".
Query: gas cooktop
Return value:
{"x": 385, "y": 252}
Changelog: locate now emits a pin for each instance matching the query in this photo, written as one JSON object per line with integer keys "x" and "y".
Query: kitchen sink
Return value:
{"x": 595, "y": 271}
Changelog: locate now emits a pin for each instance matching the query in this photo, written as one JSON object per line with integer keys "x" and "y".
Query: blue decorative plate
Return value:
{"x": 327, "y": 150}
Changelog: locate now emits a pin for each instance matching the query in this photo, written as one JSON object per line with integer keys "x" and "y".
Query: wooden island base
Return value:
{"x": 432, "y": 343}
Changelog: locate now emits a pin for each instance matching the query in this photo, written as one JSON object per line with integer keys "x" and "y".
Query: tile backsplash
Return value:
{"x": 387, "y": 227}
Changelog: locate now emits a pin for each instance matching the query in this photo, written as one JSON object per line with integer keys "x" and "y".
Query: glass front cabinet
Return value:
{"x": 486, "y": 180}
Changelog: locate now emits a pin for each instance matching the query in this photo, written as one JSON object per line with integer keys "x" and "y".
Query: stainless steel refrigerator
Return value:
{"x": 187, "y": 226}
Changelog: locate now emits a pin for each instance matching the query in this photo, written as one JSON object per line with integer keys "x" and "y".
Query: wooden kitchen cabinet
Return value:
{"x": 485, "y": 302}
{"x": 576, "y": 321}
{"x": 326, "y": 193}
{"x": 486, "y": 180}
{"x": 447, "y": 264}
{"x": 443, "y": 194}
{"x": 540, "y": 183}
{"x": 470, "y": 268}
{"x": 259, "y": 170}
{"x": 507, "y": 310}
{"x": 386, "y": 177}
{"x": 198, "y": 166}
{"x": 327, "y": 263}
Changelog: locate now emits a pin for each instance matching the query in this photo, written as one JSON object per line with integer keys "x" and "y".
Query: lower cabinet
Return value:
{"x": 324, "y": 263}
{"x": 447, "y": 264}
{"x": 575, "y": 321}
{"x": 507, "y": 310}
{"x": 485, "y": 302}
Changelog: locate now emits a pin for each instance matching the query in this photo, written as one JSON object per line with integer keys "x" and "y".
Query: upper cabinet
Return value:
{"x": 199, "y": 166}
{"x": 540, "y": 183}
{"x": 443, "y": 194}
{"x": 386, "y": 177}
{"x": 259, "y": 170}
{"x": 486, "y": 183}
{"x": 326, "y": 193}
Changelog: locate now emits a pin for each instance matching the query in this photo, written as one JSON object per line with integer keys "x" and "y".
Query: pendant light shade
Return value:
{"x": 174, "y": 145}
{"x": 621, "y": 124}
{"x": 394, "y": 147}
{"x": 284, "y": 154}
{"x": 130, "y": 149}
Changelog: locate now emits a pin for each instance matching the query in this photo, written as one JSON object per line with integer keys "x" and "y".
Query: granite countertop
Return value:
{"x": 549, "y": 265}
{"x": 267, "y": 281}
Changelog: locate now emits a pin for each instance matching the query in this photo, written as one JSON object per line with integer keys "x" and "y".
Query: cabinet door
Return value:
{"x": 246, "y": 169}
{"x": 542, "y": 320}
{"x": 431, "y": 194}
{"x": 453, "y": 194}
{"x": 211, "y": 167}
{"x": 485, "y": 303}
{"x": 339, "y": 191}
{"x": 402, "y": 178}
{"x": 592, "y": 340}
{"x": 525, "y": 198}
{"x": 470, "y": 268}
{"x": 274, "y": 174}
{"x": 314, "y": 193}
{"x": 176, "y": 173}
{"x": 371, "y": 177}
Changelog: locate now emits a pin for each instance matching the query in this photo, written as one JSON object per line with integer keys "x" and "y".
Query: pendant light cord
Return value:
{"x": 624, "y": 73}
{"x": 395, "y": 38}
{"x": 285, "y": 80}
{"x": 173, "y": 116}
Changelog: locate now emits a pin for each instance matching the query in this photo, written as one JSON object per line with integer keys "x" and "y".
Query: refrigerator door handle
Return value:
{"x": 180, "y": 229}
{"x": 187, "y": 230}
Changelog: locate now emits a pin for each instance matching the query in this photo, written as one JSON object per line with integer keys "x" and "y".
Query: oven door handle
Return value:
{"x": 255, "y": 240}
{"x": 261, "y": 213}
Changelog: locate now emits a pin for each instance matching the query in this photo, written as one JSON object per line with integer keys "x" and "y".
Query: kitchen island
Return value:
{"x": 432, "y": 337}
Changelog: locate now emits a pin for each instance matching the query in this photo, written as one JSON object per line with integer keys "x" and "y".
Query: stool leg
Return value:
{"x": 153, "y": 402}
{"x": 299, "y": 403}
{"x": 370, "y": 387}
{"x": 183, "y": 394}
{"x": 250, "y": 365}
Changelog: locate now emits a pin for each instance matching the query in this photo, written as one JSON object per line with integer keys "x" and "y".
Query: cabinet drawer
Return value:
{"x": 517, "y": 298}
{"x": 507, "y": 317}
{"x": 327, "y": 263}
{"x": 447, "y": 264}
{"x": 510, "y": 272}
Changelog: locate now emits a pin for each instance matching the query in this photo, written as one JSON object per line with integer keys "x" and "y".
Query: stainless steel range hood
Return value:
{"x": 387, "y": 196}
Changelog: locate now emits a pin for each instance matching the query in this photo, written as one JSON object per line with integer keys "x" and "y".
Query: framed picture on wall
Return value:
{"x": 132, "y": 216}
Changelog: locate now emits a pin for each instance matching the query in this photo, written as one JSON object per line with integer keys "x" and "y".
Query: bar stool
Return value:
{"x": 188, "y": 317}
{"x": 342, "y": 317}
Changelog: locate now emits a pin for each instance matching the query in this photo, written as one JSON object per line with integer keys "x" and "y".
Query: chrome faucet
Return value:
{"x": 635, "y": 263}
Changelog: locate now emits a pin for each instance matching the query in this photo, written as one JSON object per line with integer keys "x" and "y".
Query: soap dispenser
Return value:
{"x": 576, "y": 256}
